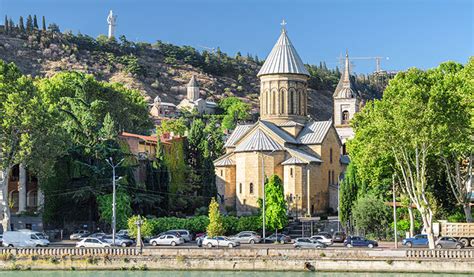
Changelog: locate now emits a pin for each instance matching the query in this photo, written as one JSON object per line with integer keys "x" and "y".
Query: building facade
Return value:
{"x": 193, "y": 99}
{"x": 304, "y": 153}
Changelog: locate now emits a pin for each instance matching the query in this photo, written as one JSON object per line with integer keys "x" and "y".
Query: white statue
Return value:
{"x": 111, "y": 19}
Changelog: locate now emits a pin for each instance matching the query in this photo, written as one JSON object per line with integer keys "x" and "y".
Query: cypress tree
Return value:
{"x": 21, "y": 25}
{"x": 44, "y": 24}
{"x": 5, "y": 26}
{"x": 35, "y": 22}
{"x": 29, "y": 24}
{"x": 11, "y": 24}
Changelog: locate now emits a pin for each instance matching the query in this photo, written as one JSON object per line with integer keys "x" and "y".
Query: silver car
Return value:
{"x": 247, "y": 237}
{"x": 219, "y": 242}
{"x": 119, "y": 240}
{"x": 167, "y": 240}
{"x": 448, "y": 242}
{"x": 185, "y": 234}
{"x": 77, "y": 235}
{"x": 308, "y": 243}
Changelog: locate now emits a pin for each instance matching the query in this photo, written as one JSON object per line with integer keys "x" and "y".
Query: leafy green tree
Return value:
{"x": 215, "y": 227}
{"x": 178, "y": 127}
{"x": 235, "y": 110}
{"x": 400, "y": 134}
{"x": 275, "y": 204}
{"x": 371, "y": 215}
{"x": 146, "y": 229}
{"x": 123, "y": 208}
{"x": 348, "y": 194}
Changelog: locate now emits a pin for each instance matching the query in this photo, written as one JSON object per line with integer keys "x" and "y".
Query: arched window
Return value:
{"x": 15, "y": 199}
{"x": 222, "y": 173}
{"x": 291, "y": 172}
{"x": 251, "y": 188}
{"x": 345, "y": 117}
{"x": 329, "y": 177}
{"x": 240, "y": 188}
{"x": 330, "y": 155}
{"x": 291, "y": 100}
{"x": 32, "y": 199}
{"x": 344, "y": 149}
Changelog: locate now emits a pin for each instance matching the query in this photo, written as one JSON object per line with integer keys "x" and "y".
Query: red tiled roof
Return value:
{"x": 145, "y": 138}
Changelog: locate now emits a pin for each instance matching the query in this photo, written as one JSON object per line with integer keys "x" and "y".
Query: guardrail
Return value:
{"x": 441, "y": 253}
{"x": 70, "y": 251}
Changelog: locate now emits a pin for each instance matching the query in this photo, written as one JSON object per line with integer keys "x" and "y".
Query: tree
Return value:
{"x": 235, "y": 110}
{"x": 21, "y": 25}
{"x": 215, "y": 227}
{"x": 348, "y": 194}
{"x": 43, "y": 21}
{"x": 35, "y": 22}
{"x": 29, "y": 24}
{"x": 123, "y": 208}
{"x": 146, "y": 230}
{"x": 370, "y": 214}
{"x": 5, "y": 25}
{"x": 275, "y": 204}
{"x": 176, "y": 126}
{"x": 400, "y": 134}
{"x": 54, "y": 28}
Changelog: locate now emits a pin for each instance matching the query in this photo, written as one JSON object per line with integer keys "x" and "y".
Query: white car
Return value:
{"x": 92, "y": 242}
{"x": 219, "y": 242}
{"x": 167, "y": 240}
{"x": 77, "y": 235}
{"x": 322, "y": 239}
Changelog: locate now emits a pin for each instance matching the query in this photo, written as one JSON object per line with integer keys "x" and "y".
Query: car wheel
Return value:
{"x": 409, "y": 245}
{"x": 10, "y": 245}
{"x": 154, "y": 243}
{"x": 209, "y": 245}
{"x": 82, "y": 246}
{"x": 464, "y": 241}
{"x": 252, "y": 241}
{"x": 124, "y": 244}
{"x": 231, "y": 245}
{"x": 458, "y": 246}
{"x": 370, "y": 245}
{"x": 439, "y": 246}
{"x": 173, "y": 243}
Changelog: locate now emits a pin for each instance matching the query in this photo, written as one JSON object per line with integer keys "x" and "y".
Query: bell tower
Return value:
{"x": 283, "y": 84}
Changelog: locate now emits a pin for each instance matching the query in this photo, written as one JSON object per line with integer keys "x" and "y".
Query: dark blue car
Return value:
{"x": 416, "y": 241}
{"x": 356, "y": 241}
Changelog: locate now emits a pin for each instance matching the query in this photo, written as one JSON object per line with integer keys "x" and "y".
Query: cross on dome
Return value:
{"x": 283, "y": 25}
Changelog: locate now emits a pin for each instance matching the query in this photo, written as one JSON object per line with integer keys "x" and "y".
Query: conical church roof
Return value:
{"x": 193, "y": 82}
{"x": 283, "y": 59}
{"x": 345, "y": 88}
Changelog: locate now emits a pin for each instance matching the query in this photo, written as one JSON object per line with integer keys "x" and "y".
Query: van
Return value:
{"x": 23, "y": 239}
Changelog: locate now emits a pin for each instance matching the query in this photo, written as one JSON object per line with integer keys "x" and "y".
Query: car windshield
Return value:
{"x": 102, "y": 240}
{"x": 33, "y": 237}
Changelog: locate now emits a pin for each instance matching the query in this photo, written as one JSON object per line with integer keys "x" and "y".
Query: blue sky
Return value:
{"x": 410, "y": 32}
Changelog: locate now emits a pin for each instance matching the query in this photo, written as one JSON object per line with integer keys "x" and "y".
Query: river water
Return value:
{"x": 202, "y": 274}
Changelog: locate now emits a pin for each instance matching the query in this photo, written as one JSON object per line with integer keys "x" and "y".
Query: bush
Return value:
{"x": 371, "y": 214}
{"x": 457, "y": 217}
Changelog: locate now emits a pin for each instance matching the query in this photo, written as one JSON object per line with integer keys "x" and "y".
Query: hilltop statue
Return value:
{"x": 111, "y": 20}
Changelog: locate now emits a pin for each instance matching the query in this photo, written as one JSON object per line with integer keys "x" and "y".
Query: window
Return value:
{"x": 245, "y": 201}
{"x": 345, "y": 117}
{"x": 330, "y": 155}
{"x": 344, "y": 150}
{"x": 222, "y": 172}
{"x": 251, "y": 188}
{"x": 240, "y": 188}
{"x": 329, "y": 177}
{"x": 291, "y": 172}
{"x": 332, "y": 178}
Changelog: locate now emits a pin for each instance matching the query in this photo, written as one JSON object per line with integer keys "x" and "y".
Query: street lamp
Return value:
{"x": 139, "y": 223}
{"x": 114, "y": 219}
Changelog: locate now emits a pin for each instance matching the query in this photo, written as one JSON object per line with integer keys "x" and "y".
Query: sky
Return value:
{"x": 411, "y": 33}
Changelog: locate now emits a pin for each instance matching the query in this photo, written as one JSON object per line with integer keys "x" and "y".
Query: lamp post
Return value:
{"x": 139, "y": 223}
{"x": 394, "y": 211}
{"x": 114, "y": 219}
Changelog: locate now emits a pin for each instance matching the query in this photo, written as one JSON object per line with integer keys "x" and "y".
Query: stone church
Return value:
{"x": 306, "y": 154}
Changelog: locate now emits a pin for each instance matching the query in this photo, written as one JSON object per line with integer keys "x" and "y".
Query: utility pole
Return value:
{"x": 394, "y": 211}
{"x": 114, "y": 219}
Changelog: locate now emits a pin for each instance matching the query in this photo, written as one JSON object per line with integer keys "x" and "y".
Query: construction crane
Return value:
{"x": 378, "y": 59}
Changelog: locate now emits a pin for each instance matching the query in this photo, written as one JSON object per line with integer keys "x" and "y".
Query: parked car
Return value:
{"x": 1, "y": 239}
{"x": 185, "y": 234}
{"x": 247, "y": 237}
{"x": 79, "y": 234}
{"x": 119, "y": 240}
{"x": 281, "y": 238}
{"x": 123, "y": 233}
{"x": 174, "y": 233}
{"x": 324, "y": 234}
{"x": 92, "y": 242}
{"x": 448, "y": 242}
{"x": 322, "y": 239}
{"x": 338, "y": 237}
{"x": 308, "y": 243}
{"x": 356, "y": 241}
{"x": 97, "y": 235}
{"x": 170, "y": 239}
{"x": 23, "y": 239}
{"x": 41, "y": 235}
{"x": 219, "y": 242}
{"x": 416, "y": 241}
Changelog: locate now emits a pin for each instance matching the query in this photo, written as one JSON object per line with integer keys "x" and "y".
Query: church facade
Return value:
{"x": 286, "y": 141}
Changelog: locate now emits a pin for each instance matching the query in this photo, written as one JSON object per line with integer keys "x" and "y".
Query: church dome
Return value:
{"x": 283, "y": 58}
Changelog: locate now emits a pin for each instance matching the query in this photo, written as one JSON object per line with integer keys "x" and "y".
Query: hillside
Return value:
{"x": 154, "y": 69}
